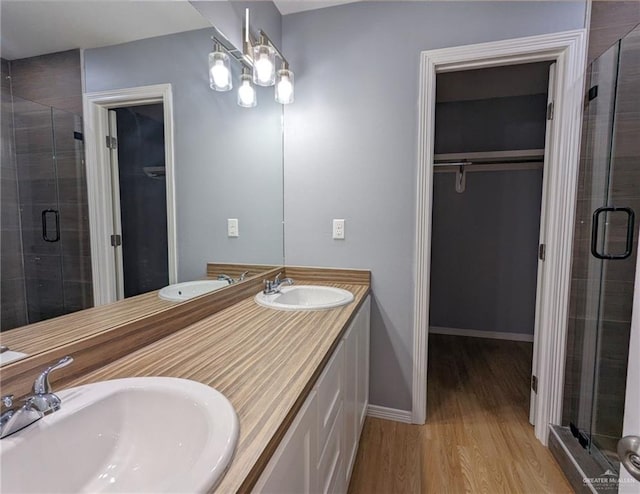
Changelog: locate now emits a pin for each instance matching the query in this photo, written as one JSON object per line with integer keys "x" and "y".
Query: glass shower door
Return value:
{"x": 53, "y": 212}
{"x": 74, "y": 211}
{"x": 39, "y": 209}
{"x": 605, "y": 250}
{"x": 617, "y": 243}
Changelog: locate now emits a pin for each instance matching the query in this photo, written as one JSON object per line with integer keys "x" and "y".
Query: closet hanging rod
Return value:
{"x": 491, "y": 156}
{"x": 469, "y": 166}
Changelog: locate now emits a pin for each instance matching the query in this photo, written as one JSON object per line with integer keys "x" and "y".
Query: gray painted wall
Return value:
{"x": 228, "y": 159}
{"x": 495, "y": 124}
{"x": 484, "y": 251}
{"x": 351, "y": 144}
{"x": 484, "y": 243}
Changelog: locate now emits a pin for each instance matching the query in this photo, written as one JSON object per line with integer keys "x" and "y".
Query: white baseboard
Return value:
{"x": 477, "y": 333}
{"x": 379, "y": 412}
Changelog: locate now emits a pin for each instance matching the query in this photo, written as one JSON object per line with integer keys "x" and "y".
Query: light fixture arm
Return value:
{"x": 249, "y": 41}
{"x": 264, "y": 37}
{"x": 233, "y": 52}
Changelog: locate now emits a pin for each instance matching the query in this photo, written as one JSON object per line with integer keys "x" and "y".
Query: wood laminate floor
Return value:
{"x": 477, "y": 437}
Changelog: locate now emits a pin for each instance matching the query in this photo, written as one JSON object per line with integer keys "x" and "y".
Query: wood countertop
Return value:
{"x": 60, "y": 331}
{"x": 264, "y": 361}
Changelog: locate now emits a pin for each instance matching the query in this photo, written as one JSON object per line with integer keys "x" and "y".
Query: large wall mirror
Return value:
{"x": 205, "y": 187}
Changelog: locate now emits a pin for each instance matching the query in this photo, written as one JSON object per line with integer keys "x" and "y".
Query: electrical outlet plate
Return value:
{"x": 338, "y": 229}
{"x": 232, "y": 227}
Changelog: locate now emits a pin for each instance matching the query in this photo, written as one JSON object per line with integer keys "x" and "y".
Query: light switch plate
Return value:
{"x": 232, "y": 227}
{"x": 338, "y": 229}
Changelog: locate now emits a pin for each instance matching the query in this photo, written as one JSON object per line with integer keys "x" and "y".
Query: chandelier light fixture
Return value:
{"x": 259, "y": 59}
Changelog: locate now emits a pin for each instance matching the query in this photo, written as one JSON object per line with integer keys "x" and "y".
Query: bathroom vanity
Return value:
{"x": 298, "y": 380}
{"x": 319, "y": 449}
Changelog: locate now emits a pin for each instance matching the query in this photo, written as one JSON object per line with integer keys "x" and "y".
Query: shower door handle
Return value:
{"x": 629, "y": 454}
{"x": 595, "y": 227}
{"x": 45, "y": 229}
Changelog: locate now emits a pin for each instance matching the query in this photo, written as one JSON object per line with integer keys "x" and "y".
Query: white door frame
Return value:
{"x": 96, "y": 128}
{"x": 568, "y": 50}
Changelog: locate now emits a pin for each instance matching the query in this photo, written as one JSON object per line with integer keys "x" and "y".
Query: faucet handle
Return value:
{"x": 243, "y": 276}
{"x": 42, "y": 385}
{"x": 7, "y": 400}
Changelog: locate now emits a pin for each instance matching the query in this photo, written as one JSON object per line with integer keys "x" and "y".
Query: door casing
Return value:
{"x": 568, "y": 50}
{"x": 96, "y": 127}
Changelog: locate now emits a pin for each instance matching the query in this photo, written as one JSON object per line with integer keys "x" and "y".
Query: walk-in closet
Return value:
{"x": 486, "y": 242}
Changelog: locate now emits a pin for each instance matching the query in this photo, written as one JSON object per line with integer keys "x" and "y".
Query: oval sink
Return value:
{"x": 305, "y": 297}
{"x": 147, "y": 434}
{"x": 190, "y": 289}
{"x": 11, "y": 356}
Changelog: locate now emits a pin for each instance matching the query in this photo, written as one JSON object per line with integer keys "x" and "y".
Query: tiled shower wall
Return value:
{"x": 12, "y": 294}
{"x": 47, "y": 113}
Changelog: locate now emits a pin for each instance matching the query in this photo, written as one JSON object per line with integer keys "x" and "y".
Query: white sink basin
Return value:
{"x": 190, "y": 289}
{"x": 305, "y": 297}
{"x": 11, "y": 356}
{"x": 147, "y": 434}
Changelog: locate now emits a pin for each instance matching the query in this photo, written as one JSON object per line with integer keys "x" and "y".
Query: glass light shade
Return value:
{"x": 264, "y": 65}
{"x": 246, "y": 92}
{"x": 219, "y": 71}
{"x": 284, "y": 87}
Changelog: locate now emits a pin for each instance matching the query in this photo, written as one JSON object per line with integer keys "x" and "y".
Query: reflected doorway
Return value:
{"x": 130, "y": 177}
{"x": 137, "y": 158}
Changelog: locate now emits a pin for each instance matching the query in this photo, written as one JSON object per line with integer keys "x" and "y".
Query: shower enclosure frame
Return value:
{"x": 568, "y": 50}
{"x": 96, "y": 130}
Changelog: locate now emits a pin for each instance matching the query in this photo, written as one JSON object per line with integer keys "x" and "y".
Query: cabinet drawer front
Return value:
{"x": 330, "y": 395}
{"x": 332, "y": 463}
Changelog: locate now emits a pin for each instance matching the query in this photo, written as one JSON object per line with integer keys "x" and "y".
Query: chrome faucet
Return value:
{"x": 224, "y": 277}
{"x": 230, "y": 280}
{"x": 272, "y": 287}
{"x": 42, "y": 402}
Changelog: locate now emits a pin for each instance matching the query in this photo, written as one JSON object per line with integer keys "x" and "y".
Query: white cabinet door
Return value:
{"x": 330, "y": 389}
{"x": 332, "y": 463}
{"x": 293, "y": 467}
{"x": 362, "y": 386}
{"x": 356, "y": 398}
{"x": 351, "y": 413}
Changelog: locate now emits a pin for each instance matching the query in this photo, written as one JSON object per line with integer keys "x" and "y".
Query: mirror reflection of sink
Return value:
{"x": 147, "y": 434}
{"x": 190, "y": 289}
{"x": 305, "y": 297}
{"x": 10, "y": 356}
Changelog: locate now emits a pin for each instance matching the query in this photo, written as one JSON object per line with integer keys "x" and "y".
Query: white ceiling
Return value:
{"x": 292, "y": 6}
{"x": 30, "y": 28}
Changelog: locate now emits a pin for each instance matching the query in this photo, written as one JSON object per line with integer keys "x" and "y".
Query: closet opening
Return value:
{"x": 487, "y": 244}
